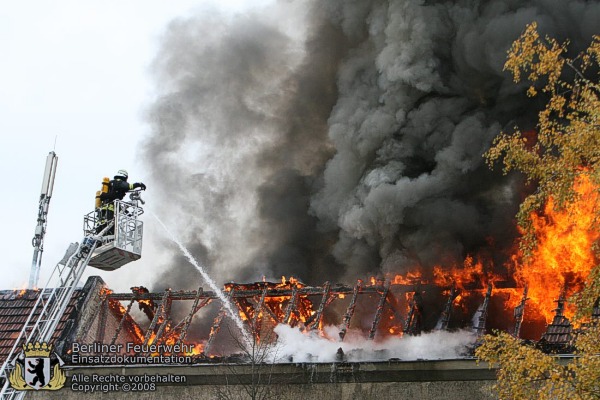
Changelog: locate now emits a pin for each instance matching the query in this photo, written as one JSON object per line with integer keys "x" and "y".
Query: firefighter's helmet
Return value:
{"x": 122, "y": 173}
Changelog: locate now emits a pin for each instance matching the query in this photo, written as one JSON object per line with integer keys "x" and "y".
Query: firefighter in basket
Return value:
{"x": 112, "y": 190}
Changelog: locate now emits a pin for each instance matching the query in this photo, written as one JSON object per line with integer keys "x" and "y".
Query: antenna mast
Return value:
{"x": 40, "y": 229}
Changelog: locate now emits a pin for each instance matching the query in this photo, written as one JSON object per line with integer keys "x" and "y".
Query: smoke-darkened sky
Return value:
{"x": 330, "y": 140}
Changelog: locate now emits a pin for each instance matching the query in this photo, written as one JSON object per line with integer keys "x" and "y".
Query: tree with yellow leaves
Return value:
{"x": 526, "y": 373}
{"x": 565, "y": 150}
{"x": 568, "y": 135}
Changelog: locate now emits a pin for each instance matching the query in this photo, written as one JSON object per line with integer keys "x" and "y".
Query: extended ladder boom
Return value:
{"x": 49, "y": 307}
{"x": 107, "y": 244}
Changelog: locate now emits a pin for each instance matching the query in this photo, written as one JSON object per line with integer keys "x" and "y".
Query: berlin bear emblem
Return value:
{"x": 37, "y": 370}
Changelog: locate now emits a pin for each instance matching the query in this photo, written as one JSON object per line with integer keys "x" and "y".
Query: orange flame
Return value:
{"x": 134, "y": 329}
{"x": 410, "y": 278}
{"x": 471, "y": 271}
{"x": 146, "y": 302}
{"x": 105, "y": 291}
{"x": 563, "y": 256}
{"x": 198, "y": 349}
{"x": 22, "y": 291}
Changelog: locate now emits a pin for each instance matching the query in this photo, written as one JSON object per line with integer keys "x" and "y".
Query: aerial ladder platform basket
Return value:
{"x": 123, "y": 242}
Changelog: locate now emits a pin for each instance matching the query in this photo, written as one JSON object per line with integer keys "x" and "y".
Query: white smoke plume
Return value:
{"x": 294, "y": 345}
{"x": 334, "y": 139}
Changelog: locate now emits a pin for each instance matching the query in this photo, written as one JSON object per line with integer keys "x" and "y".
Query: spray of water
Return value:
{"x": 292, "y": 344}
{"x": 207, "y": 279}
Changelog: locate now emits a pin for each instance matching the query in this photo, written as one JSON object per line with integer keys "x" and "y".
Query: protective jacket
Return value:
{"x": 117, "y": 189}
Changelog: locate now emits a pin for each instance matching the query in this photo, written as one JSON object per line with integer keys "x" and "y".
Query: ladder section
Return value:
{"x": 49, "y": 307}
{"x": 109, "y": 242}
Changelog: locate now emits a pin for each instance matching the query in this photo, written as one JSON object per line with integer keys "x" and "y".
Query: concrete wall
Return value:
{"x": 448, "y": 379}
{"x": 468, "y": 390}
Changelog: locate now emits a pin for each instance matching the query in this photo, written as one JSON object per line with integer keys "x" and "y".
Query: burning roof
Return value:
{"x": 378, "y": 310}
{"x": 79, "y": 323}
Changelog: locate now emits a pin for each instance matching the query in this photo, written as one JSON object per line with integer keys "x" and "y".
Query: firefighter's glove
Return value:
{"x": 139, "y": 185}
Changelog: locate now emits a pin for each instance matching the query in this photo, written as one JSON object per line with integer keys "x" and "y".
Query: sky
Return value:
{"x": 75, "y": 78}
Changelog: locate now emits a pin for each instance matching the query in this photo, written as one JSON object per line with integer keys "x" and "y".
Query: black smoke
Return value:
{"x": 334, "y": 139}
